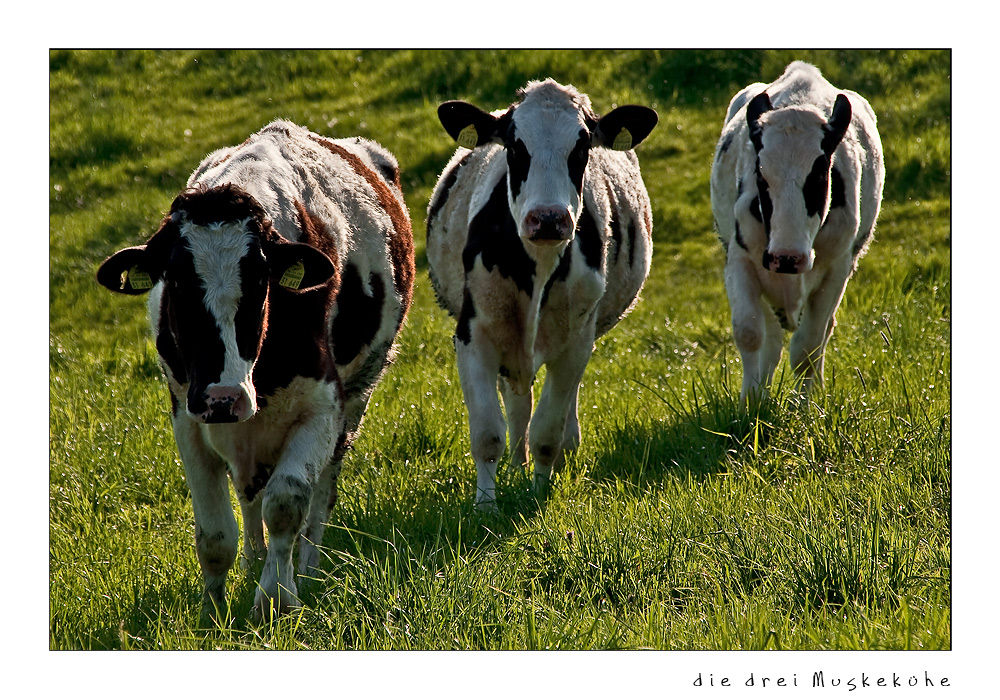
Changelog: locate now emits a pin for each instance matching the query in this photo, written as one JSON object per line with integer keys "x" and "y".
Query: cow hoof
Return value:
{"x": 489, "y": 507}
{"x": 267, "y": 610}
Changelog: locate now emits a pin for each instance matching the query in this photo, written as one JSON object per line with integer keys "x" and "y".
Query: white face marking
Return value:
{"x": 217, "y": 250}
{"x": 791, "y": 144}
{"x": 548, "y": 122}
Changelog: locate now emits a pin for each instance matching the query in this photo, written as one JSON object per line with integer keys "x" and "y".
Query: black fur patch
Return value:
{"x": 493, "y": 238}
{"x": 465, "y": 316}
{"x": 838, "y": 192}
{"x": 518, "y": 161}
{"x": 358, "y": 315}
{"x": 764, "y": 200}
{"x": 193, "y": 337}
{"x": 589, "y": 238}
{"x": 577, "y": 161}
{"x": 739, "y": 238}
{"x": 724, "y": 146}
{"x": 816, "y": 186}
{"x": 261, "y": 474}
{"x": 250, "y": 312}
{"x": 442, "y": 194}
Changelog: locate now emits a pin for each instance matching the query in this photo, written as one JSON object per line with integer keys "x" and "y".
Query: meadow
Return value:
{"x": 682, "y": 523}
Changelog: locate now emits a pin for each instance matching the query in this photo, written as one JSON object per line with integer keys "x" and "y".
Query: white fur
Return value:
{"x": 833, "y": 240}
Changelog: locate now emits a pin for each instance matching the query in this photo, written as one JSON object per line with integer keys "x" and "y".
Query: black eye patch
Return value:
{"x": 764, "y": 206}
{"x": 577, "y": 161}
{"x": 817, "y": 186}
{"x": 518, "y": 163}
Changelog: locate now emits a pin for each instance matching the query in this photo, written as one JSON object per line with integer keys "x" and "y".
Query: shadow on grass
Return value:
{"x": 700, "y": 438}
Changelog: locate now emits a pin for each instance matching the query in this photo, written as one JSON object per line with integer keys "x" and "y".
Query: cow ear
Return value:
{"x": 755, "y": 108}
{"x": 625, "y": 127}
{"x": 469, "y": 125}
{"x": 129, "y": 271}
{"x": 298, "y": 266}
{"x": 836, "y": 127}
{"x": 136, "y": 270}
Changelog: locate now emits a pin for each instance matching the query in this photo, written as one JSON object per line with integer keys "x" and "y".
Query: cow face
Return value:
{"x": 794, "y": 147}
{"x": 211, "y": 268}
{"x": 547, "y": 138}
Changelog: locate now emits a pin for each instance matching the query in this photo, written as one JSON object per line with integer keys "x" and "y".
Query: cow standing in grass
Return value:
{"x": 538, "y": 240}
{"x": 796, "y": 188}
{"x": 277, "y": 284}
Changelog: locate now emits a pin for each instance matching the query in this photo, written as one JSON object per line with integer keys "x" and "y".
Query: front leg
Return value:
{"x": 808, "y": 345}
{"x": 216, "y": 533}
{"x": 478, "y": 367}
{"x": 286, "y": 504}
{"x": 254, "y": 547}
{"x": 518, "y": 410}
{"x": 555, "y": 427}
{"x": 756, "y": 330}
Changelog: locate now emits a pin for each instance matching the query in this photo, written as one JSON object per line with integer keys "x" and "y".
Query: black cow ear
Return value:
{"x": 836, "y": 127}
{"x": 755, "y": 108}
{"x": 625, "y": 127}
{"x": 298, "y": 266}
{"x": 469, "y": 125}
{"x": 129, "y": 271}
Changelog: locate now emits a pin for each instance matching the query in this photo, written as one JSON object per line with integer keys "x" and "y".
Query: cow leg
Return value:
{"x": 216, "y": 534}
{"x": 551, "y": 424}
{"x": 285, "y": 507}
{"x": 756, "y": 330}
{"x": 518, "y": 410}
{"x": 808, "y": 344}
{"x": 477, "y": 372}
{"x": 254, "y": 547}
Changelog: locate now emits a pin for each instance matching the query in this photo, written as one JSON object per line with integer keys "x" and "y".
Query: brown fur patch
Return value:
{"x": 315, "y": 233}
{"x": 401, "y": 238}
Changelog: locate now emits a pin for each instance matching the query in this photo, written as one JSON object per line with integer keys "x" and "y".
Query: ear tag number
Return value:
{"x": 293, "y": 275}
{"x": 623, "y": 141}
{"x": 468, "y": 137}
{"x": 138, "y": 278}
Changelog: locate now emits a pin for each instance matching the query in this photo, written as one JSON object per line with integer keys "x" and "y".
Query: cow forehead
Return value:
{"x": 792, "y": 140}
{"x": 217, "y": 251}
{"x": 550, "y": 116}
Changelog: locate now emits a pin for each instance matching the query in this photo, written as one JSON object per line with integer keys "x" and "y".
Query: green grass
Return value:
{"x": 681, "y": 523}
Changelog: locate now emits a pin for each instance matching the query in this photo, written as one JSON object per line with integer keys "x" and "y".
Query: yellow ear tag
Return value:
{"x": 293, "y": 275}
{"x": 623, "y": 141}
{"x": 468, "y": 137}
{"x": 138, "y": 279}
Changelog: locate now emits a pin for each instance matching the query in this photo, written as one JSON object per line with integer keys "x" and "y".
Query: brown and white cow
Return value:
{"x": 538, "y": 240}
{"x": 796, "y": 188}
{"x": 277, "y": 285}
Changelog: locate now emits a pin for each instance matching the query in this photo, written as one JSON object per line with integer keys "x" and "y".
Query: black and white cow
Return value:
{"x": 796, "y": 189}
{"x": 277, "y": 284}
{"x": 538, "y": 240}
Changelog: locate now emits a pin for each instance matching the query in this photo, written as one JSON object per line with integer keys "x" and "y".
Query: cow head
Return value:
{"x": 211, "y": 267}
{"x": 795, "y": 147}
{"x": 547, "y": 137}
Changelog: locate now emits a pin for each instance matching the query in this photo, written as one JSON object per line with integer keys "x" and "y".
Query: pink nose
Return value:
{"x": 787, "y": 261}
{"x": 226, "y": 404}
{"x": 548, "y": 224}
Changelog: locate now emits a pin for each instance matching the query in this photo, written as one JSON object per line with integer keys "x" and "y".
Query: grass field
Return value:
{"x": 681, "y": 523}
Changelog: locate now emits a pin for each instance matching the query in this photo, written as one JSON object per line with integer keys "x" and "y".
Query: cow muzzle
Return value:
{"x": 788, "y": 261}
{"x": 548, "y": 226}
{"x": 224, "y": 404}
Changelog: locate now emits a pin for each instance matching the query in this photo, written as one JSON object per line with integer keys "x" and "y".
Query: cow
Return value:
{"x": 538, "y": 242}
{"x": 277, "y": 285}
{"x": 796, "y": 187}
